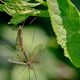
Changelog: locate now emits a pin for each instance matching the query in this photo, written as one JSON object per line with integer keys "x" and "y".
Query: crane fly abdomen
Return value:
{"x": 19, "y": 42}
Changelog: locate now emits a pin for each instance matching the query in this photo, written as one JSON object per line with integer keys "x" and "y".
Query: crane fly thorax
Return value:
{"x": 29, "y": 64}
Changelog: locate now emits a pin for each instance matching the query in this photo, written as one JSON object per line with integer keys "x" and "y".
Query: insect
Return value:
{"x": 24, "y": 58}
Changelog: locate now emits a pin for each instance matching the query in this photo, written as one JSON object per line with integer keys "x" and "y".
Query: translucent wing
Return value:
{"x": 19, "y": 55}
{"x": 12, "y": 55}
{"x": 15, "y": 58}
{"x": 35, "y": 53}
{"x": 16, "y": 61}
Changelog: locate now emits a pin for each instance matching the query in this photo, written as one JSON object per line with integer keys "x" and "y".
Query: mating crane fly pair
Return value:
{"x": 24, "y": 58}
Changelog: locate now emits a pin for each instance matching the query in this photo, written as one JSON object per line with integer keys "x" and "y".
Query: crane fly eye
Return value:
{"x": 24, "y": 61}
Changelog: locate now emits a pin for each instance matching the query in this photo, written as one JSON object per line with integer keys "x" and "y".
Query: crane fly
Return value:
{"x": 24, "y": 58}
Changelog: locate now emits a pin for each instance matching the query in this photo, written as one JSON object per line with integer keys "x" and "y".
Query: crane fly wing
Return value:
{"x": 16, "y": 60}
{"x": 12, "y": 56}
{"x": 35, "y": 53}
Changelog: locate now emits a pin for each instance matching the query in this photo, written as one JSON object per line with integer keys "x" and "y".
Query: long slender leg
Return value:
{"x": 20, "y": 73}
{"x": 29, "y": 72}
{"x": 34, "y": 72}
{"x": 21, "y": 70}
{"x": 33, "y": 37}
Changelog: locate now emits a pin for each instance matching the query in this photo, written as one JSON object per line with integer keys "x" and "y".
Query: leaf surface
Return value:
{"x": 21, "y": 10}
{"x": 65, "y": 19}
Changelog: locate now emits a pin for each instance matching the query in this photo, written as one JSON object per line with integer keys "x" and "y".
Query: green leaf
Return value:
{"x": 1, "y": 7}
{"x": 21, "y": 17}
{"x": 42, "y": 2}
{"x": 65, "y": 19}
{"x": 21, "y": 9}
{"x": 18, "y": 19}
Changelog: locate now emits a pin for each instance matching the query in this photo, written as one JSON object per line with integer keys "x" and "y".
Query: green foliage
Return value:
{"x": 18, "y": 19}
{"x": 65, "y": 20}
{"x": 21, "y": 10}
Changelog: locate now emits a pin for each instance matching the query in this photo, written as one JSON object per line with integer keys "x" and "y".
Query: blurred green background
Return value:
{"x": 53, "y": 64}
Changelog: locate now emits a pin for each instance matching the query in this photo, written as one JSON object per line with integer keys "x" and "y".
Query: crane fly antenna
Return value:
{"x": 33, "y": 36}
{"x": 33, "y": 20}
{"x": 33, "y": 32}
{"x": 34, "y": 72}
